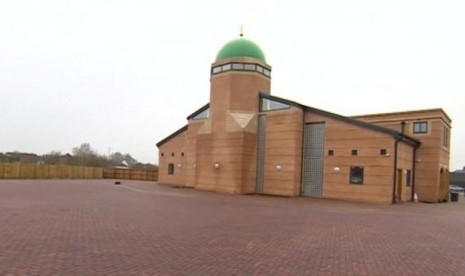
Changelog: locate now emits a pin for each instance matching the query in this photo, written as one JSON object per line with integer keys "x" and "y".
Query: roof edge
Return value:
{"x": 171, "y": 136}
{"x": 404, "y": 112}
{"x": 198, "y": 111}
{"x": 388, "y": 131}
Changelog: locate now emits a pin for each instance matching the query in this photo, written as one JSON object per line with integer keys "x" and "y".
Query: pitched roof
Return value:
{"x": 184, "y": 128}
{"x": 172, "y": 135}
{"x": 349, "y": 120}
{"x": 198, "y": 111}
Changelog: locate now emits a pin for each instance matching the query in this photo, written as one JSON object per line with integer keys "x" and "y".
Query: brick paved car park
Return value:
{"x": 93, "y": 227}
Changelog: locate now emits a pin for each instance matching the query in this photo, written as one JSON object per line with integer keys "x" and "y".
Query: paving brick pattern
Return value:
{"x": 94, "y": 227}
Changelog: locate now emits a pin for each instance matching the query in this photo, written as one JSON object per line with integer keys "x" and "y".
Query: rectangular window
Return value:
{"x": 420, "y": 127}
{"x": 238, "y": 66}
{"x": 330, "y": 152}
{"x": 249, "y": 67}
{"x": 216, "y": 70}
{"x": 409, "y": 178}
{"x": 226, "y": 67}
{"x": 446, "y": 137}
{"x": 354, "y": 152}
{"x": 382, "y": 152}
{"x": 356, "y": 175}
{"x": 170, "y": 168}
{"x": 259, "y": 69}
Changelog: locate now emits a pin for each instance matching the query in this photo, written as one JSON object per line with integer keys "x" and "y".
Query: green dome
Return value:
{"x": 240, "y": 48}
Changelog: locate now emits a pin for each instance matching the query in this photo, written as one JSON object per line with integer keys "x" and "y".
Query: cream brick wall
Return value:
{"x": 431, "y": 156}
{"x": 172, "y": 153}
{"x": 342, "y": 138}
{"x": 283, "y": 147}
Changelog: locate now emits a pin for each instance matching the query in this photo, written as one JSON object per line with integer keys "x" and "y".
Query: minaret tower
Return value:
{"x": 227, "y": 143}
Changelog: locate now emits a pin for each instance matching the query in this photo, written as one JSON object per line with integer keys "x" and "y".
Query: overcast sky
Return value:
{"x": 122, "y": 75}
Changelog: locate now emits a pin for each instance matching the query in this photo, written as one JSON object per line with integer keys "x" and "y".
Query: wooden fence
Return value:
{"x": 133, "y": 174}
{"x": 33, "y": 171}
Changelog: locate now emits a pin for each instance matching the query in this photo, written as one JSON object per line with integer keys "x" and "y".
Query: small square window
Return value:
{"x": 330, "y": 152}
{"x": 420, "y": 127}
{"x": 172, "y": 154}
{"x": 162, "y": 154}
{"x": 382, "y": 152}
{"x": 354, "y": 152}
{"x": 356, "y": 175}
{"x": 182, "y": 153}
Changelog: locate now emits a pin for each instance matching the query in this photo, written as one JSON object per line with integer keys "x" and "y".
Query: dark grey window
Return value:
{"x": 170, "y": 168}
{"x": 356, "y": 175}
{"x": 420, "y": 127}
{"x": 354, "y": 152}
{"x": 446, "y": 138}
{"x": 382, "y": 152}
{"x": 409, "y": 178}
{"x": 330, "y": 152}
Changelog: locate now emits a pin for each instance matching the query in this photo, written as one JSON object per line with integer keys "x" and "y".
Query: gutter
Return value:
{"x": 412, "y": 197}
{"x": 302, "y": 155}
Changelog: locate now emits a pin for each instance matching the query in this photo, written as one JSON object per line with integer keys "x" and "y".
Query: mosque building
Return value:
{"x": 247, "y": 141}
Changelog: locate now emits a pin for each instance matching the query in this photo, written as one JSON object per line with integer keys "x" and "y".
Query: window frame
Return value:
{"x": 241, "y": 66}
{"x": 356, "y": 170}
{"x": 408, "y": 180}
{"x": 420, "y": 129}
{"x": 446, "y": 137}
{"x": 266, "y": 105}
{"x": 170, "y": 169}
